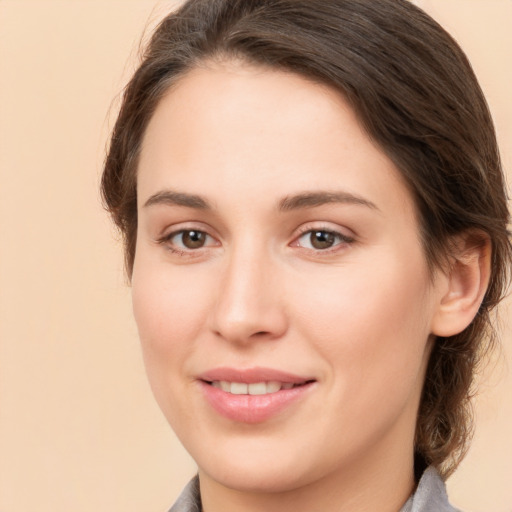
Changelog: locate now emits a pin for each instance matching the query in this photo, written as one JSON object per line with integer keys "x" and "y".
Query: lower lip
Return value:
{"x": 252, "y": 408}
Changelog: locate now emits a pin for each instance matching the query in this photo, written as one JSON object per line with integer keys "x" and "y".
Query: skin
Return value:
{"x": 357, "y": 316}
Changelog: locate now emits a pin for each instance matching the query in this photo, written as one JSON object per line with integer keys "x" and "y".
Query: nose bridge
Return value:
{"x": 247, "y": 303}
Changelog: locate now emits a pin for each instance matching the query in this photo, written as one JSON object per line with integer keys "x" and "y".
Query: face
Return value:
{"x": 280, "y": 289}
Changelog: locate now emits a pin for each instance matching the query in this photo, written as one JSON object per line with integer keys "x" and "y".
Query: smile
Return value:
{"x": 253, "y": 395}
{"x": 255, "y": 388}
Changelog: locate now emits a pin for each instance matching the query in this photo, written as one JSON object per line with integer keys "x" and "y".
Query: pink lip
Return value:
{"x": 252, "y": 408}
{"x": 252, "y": 375}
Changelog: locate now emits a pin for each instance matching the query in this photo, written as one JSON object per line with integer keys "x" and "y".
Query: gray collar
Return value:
{"x": 189, "y": 499}
{"x": 430, "y": 496}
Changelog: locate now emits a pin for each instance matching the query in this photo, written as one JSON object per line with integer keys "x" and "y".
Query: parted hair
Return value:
{"x": 418, "y": 99}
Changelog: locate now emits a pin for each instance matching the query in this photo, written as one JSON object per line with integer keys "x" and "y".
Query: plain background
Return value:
{"x": 79, "y": 429}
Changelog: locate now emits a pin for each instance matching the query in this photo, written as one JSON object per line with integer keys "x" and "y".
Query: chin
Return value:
{"x": 259, "y": 467}
{"x": 256, "y": 479}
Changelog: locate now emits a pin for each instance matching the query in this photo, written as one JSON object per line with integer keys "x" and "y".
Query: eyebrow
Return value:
{"x": 296, "y": 202}
{"x": 170, "y": 197}
{"x": 313, "y": 199}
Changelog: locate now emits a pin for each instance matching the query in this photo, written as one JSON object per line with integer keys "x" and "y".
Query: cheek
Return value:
{"x": 169, "y": 309}
{"x": 371, "y": 322}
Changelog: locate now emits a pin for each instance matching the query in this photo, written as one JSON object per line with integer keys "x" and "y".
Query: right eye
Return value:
{"x": 188, "y": 240}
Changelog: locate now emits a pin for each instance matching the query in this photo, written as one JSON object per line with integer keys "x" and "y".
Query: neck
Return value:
{"x": 384, "y": 485}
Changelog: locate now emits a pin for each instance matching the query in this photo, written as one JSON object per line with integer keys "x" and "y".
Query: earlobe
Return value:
{"x": 464, "y": 284}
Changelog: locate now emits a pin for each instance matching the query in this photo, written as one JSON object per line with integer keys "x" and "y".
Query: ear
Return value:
{"x": 463, "y": 285}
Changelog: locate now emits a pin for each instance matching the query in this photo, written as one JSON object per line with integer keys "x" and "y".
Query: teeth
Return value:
{"x": 238, "y": 388}
{"x": 273, "y": 386}
{"x": 256, "y": 388}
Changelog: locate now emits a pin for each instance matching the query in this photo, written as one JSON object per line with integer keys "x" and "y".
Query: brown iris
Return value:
{"x": 193, "y": 239}
{"x": 322, "y": 239}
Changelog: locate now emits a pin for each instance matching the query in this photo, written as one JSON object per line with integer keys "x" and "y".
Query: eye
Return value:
{"x": 188, "y": 239}
{"x": 322, "y": 239}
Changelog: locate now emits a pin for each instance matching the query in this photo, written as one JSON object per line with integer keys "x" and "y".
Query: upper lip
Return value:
{"x": 252, "y": 375}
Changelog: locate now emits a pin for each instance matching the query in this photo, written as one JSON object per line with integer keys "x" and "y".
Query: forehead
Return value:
{"x": 234, "y": 128}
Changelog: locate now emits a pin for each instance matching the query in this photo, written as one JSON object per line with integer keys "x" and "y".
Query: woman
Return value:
{"x": 314, "y": 218}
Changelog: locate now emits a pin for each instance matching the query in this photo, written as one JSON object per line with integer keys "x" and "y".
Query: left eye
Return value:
{"x": 321, "y": 239}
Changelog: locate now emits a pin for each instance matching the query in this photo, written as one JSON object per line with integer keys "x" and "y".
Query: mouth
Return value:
{"x": 255, "y": 388}
{"x": 253, "y": 395}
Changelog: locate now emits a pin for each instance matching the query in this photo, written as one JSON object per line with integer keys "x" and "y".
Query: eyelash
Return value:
{"x": 342, "y": 240}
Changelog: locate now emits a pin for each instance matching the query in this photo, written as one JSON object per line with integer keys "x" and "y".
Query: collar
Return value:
{"x": 430, "y": 495}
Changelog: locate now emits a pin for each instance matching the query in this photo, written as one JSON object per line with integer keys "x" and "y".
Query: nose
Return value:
{"x": 248, "y": 305}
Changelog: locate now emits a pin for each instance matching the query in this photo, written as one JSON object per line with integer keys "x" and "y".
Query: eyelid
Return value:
{"x": 179, "y": 227}
{"x": 172, "y": 234}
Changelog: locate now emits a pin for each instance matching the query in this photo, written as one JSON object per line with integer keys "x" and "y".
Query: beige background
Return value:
{"x": 78, "y": 427}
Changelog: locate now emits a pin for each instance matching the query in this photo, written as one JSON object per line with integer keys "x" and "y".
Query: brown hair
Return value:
{"x": 416, "y": 95}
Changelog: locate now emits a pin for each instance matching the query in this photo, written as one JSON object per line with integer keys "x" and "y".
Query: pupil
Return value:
{"x": 322, "y": 239}
{"x": 193, "y": 239}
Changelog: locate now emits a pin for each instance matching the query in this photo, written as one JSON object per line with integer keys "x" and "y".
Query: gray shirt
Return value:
{"x": 430, "y": 496}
